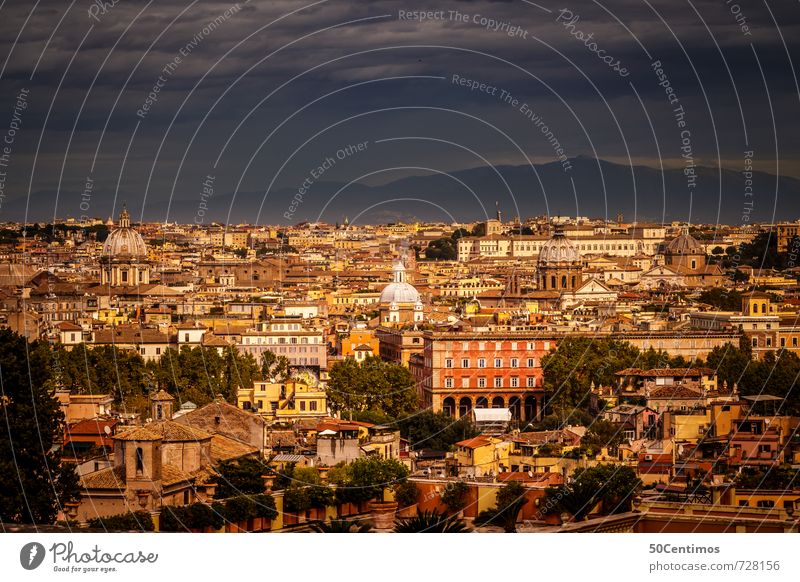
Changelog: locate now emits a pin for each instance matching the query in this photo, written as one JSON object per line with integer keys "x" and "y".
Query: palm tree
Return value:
{"x": 431, "y": 522}
{"x": 340, "y": 526}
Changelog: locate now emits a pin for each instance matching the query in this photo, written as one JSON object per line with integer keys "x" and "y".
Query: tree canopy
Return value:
{"x": 722, "y": 299}
{"x": 442, "y": 249}
{"x": 613, "y": 486}
{"x": 196, "y": 374}
{"x": 240, "y": 476}
{"x": 776, "y": 373}
{"x": 578, "y": 362}
{"x": 34, "y": 483}
{"x": 366, "y": 478}
{"x": 373, "y": 384}
{"x": 510, "y": 500}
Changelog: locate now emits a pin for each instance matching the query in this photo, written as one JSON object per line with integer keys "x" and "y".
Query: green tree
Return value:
{"x": 455, "y": 495}
{"x": 510, "y": 500}
{"x": 306, "y": 490}
{"x": 603, "y": 433}
{"x": 274, "y": 368}
{"x": 34, "y": 483}
{"x": 196, "y": 516}
{"x": 341, "y": 526}
{"x": 577, "y": 363}
{"x": 436, "y": 430}
{"x": 724, "y": 300}
{"x": 776, "y": 477}
{"x": 136, "y": 521}
{"x": 373, "y": 384}
{"x": 97, "y": 369}
{"x": 200, "y": 373}
{"x": 406, "y": 493}
{"x": 730, "y": 362}
{"x": 613, "y": 486}
{"x": 479, "y": 229}
{"x": 431, "y": 522}
{"x": 237, "y": 477}
{"x": 442, "y": 249}
{"x": 366, "y": 478}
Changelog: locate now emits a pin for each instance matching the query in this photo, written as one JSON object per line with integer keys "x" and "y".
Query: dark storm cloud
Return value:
{"x": 590, "y": 108}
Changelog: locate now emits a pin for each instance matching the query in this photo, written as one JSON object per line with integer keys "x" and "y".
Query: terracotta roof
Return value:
{"x": 170, "y": 475}
{"x": 224, "y": 448}
{"x": 92, "y": 426}
{"x": 474, "y": 443}
{"x": 111, "y": 478}
{"x": 677, "y": 372}
{"x": 283, "y": 438}
{"x": 172, "y": 431}
{"x": 139, "y": 433}
{"x": 540, "y": 479}
{"x": 674, "y": 392}
{"x": 204, "y": 474}
{"x": 162, "y": 395}
{"x": 337, "y": 425}
{"x": 130, "y": 335}
{"x": 667, "y": 372}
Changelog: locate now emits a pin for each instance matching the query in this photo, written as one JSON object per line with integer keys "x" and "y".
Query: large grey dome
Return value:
{"x": 399, "y": 291}
{"x": 558, "y": 250}
{"x": 685, "y": 244}
{"x": 124, "y": 241}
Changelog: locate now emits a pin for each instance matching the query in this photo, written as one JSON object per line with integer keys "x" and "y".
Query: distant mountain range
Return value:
{"x": 601, "y": 189}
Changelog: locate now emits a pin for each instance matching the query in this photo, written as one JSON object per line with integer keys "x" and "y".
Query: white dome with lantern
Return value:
{"x": 560, "y": 266}
{"x": 124, "y": 240}
{"x": 399, "y": 291}
{"x": 559, "y": 249}
{"x": 123, "y": 260}
{"x": 400, "y": 302}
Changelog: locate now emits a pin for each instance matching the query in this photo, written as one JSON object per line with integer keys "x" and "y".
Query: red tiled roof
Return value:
{"x": 93, "y": 426}
{"x": 475, "y": 442}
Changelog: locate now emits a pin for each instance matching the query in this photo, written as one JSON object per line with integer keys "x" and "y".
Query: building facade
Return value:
{"x": 462, "y": 371}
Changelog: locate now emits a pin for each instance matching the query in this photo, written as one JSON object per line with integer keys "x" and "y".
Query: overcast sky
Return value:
{"x": 257, "y": 95}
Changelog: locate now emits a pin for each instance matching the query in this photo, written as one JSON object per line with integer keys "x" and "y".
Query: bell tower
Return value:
{"x": 161, "y": 405}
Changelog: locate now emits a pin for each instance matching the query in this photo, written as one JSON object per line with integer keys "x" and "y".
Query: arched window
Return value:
{"x": 553, "y": 282}
{"x": 763, "y": 308}
{"x": 563, "y": 281}
{"x": 139, "y": 461}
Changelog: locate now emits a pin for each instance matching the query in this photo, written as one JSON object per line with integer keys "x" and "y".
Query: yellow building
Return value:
{"x": 756, "y": 303}
{"x": 766, "y": 498}
{"x": 717, "y": 420}
{"x": 111, "y": 316}
{"x": 482, "y": 456}
{"x": 288, "y": 400}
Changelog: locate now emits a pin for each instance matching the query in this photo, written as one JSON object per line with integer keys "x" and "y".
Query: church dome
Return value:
{"x": 685, "y": 244}
{"x": 124, "y": 241}
{"x": 558, "y": 250}
{"x": 399, "y": 291}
